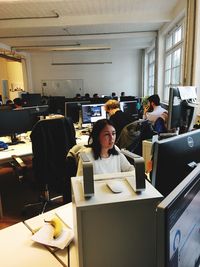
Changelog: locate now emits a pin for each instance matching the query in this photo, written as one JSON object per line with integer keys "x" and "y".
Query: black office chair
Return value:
{"x": 51, "y": 141}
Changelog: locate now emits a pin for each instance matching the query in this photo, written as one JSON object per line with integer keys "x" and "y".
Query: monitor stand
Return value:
{"x": 14, "y": 140}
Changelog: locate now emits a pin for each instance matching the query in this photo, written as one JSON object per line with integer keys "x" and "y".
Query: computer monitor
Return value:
{"x": 73, "y": 109}
{"x": 36, "y": 112}
{"x": 92, "y": 113}
{"x": 127, "y": 98}
{"x": 174, "y": 109}
{"x": 178, "y": 225}
{"x": 130, "y": 107}
{"x": 173, "y": 160}
{"x": 99, "y": 100}
{"x": 31, "y": 99}
{"x": 57, "y": 105}
{"x": 14, "y": 122}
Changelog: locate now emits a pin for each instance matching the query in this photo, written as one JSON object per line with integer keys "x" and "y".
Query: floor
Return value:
{"x": 16, "y": 194}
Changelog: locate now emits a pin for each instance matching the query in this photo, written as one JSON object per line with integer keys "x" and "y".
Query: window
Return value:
{"x": 173, "y": 58}
{"x": 151, "y": 72}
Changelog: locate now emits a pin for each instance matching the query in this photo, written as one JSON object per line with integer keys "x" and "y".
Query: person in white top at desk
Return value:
{"x": 153, "y": 110}
{"x": 103, "y": 152}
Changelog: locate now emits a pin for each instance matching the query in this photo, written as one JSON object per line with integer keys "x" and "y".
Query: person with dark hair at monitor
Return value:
{"x": 17, "y": 103}
{"x": 9, "y": 104}
{"x": 87, "y": 96}
{"x": 102, "y": 151}
{"x": 122, "y": 93}
{"x": 153, "y": 110}
{"x": 78, "y": 96}
{"x": 113, "y": 95}
{"x": 95, "y": 95}
{"x": 117, "y": 116}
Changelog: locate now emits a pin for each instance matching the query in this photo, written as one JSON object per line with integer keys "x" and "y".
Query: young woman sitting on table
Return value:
{"x": 103, "y": 152}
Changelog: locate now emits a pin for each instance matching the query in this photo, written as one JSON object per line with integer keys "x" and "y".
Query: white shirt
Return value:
{"x": 155, "y": 114}
{"x": 112, "y": 164}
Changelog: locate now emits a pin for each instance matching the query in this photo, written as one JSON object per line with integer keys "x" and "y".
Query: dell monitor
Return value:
{"x": 178, "y": 224}
{"x": 173, "y": 160}
{"x": 92, "y": 113}
{"x": 14, "y": 122}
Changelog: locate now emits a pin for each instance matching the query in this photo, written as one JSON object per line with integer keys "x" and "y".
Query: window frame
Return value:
{"x": 170, "y": 51}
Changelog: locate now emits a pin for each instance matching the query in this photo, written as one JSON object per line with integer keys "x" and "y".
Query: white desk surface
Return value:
{"x": 25, "y": 149}
{"x": 19, "y": 149}
{"x": 37, "y": 221}
{"x": 17, "y": 249}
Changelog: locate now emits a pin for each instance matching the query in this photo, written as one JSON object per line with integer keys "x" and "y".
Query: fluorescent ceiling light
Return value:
{"x": 81, "y": 63}
{"x": 60, "y": 48}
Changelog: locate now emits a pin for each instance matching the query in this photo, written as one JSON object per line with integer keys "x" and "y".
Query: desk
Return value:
{"x": 115, "y": 229}
{"x": 18, "y": 250}
{"x": 62, "y": 255}
{"x": 24, "y": 149}
{"x": 81, "y": 138}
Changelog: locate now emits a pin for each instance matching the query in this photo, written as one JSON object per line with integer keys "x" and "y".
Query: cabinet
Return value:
{"x": 146, "y": 151}
{"x": 115, "y": 229}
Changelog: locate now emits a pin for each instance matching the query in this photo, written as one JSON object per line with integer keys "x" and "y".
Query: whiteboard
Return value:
{"x": 61, "y": 87}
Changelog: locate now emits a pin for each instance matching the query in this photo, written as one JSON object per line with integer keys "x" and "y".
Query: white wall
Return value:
{"x": 124, "y": 74}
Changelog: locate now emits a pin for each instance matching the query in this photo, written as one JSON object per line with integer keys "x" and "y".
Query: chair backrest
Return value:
{"x": 160, "y": 126}
{"x": 51, "y": 141}
{"x": 132, "y": 135}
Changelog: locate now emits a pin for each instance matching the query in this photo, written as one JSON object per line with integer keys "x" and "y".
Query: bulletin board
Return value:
{"x": 61, "y": 87}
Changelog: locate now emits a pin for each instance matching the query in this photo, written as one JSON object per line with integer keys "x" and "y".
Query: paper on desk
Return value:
{"x": 45, "y": 236}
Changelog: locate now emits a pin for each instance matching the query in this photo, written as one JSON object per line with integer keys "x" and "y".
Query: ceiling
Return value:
{"x": 82, "y": 24}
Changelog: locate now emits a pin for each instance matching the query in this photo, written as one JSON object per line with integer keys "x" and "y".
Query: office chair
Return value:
{"x": 133, "y": 134}
{"x": 159, "y": 126}
{"x": 51, "y": 141}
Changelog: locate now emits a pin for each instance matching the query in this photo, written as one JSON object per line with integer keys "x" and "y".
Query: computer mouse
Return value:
{"x": 114, "y": 186}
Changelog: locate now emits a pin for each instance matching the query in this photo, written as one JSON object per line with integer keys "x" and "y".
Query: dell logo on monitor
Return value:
{"x": 190, "y": 141}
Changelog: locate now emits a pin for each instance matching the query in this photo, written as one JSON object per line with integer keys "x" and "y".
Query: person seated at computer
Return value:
{"x": 122, "y": 94}
{"x": 153, "y": 110}
{"x": 103, "y": 152}
{"x": 119, "y": 118}
{"x": 113, "y": 95}
{"x": 9, "y": 104}
{"x": 95, "y": 95}
{"x": 78, "y": 96}
{"x": 87, "y": 96}
{"x": 17, "y": 103}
